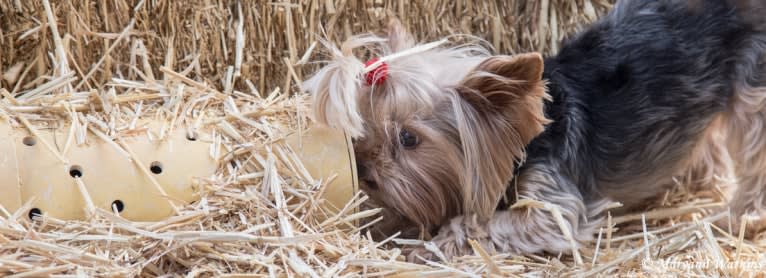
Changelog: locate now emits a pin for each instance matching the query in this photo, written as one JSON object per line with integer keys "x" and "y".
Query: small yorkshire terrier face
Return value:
{"x": 437, "y": 130}
{"x": 410, "y": 159}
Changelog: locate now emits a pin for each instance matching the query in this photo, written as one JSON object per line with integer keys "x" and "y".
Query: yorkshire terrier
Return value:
{"x": 524, "y": 154}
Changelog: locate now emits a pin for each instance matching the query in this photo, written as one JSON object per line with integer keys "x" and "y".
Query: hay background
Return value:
{"x": 273, "y": 31}
{"x": 244, "y": 225}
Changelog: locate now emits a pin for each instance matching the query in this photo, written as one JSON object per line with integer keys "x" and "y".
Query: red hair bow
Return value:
{"x": 378, "y": 75}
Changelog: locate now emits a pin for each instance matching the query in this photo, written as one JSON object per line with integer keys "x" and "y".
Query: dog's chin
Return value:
{"x": 413, "y": 218}
{"x": 392, "y": 221}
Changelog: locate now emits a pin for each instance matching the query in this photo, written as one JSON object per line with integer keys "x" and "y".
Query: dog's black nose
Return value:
{"x": 361, "y": 170}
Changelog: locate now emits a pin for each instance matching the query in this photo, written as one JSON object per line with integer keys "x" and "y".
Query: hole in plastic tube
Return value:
{"x": 118, "y": 205}
{"x": 34, "y": 212}
{"x": 29, "y": 141}
{"x": 191, "y": 136}
{"x": 75, "y": 171}
{"x": 156, "y": 167}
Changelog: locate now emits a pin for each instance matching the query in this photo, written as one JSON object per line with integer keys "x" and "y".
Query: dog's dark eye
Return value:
{"x": 408, "y": 139}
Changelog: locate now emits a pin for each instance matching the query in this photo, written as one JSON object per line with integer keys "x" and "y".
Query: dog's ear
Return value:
{"x": 398, "y": 37}
{"x": 500, "y": 111}
{"x": 510, "y": 87}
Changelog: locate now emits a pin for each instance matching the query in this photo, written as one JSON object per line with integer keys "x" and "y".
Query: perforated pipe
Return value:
{"x": 138, "y": 178}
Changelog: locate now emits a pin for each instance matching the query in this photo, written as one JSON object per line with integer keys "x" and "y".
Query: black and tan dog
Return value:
{"x": 653, "y": 92}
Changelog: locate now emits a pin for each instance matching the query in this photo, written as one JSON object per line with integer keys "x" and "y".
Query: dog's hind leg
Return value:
{"x": 745, "y": 123}
{"x": 747, "y": 143}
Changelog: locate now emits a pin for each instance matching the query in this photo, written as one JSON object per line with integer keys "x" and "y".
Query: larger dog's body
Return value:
{"x": 653, "y": 92}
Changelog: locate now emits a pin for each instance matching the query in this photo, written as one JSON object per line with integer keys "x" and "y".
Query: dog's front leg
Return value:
{"x": 550, "y": 216}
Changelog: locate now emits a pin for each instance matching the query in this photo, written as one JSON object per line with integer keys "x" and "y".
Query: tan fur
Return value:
{"x": 746, "y": 140}
{"x": 732, "y": 156}
{"x": 505, "y": 91}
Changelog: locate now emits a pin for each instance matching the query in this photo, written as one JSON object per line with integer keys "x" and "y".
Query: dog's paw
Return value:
{"x": 419, "y": 255}
{"x": 441, "y": 248}
{"x": 434, "y": 251}
{"x": 452, "y": 241}
{"x": 754, "y": 223}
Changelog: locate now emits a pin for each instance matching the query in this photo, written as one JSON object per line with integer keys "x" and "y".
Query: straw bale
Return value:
{"x": 257, "y": 38}
{"x": 232, "y": 69}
